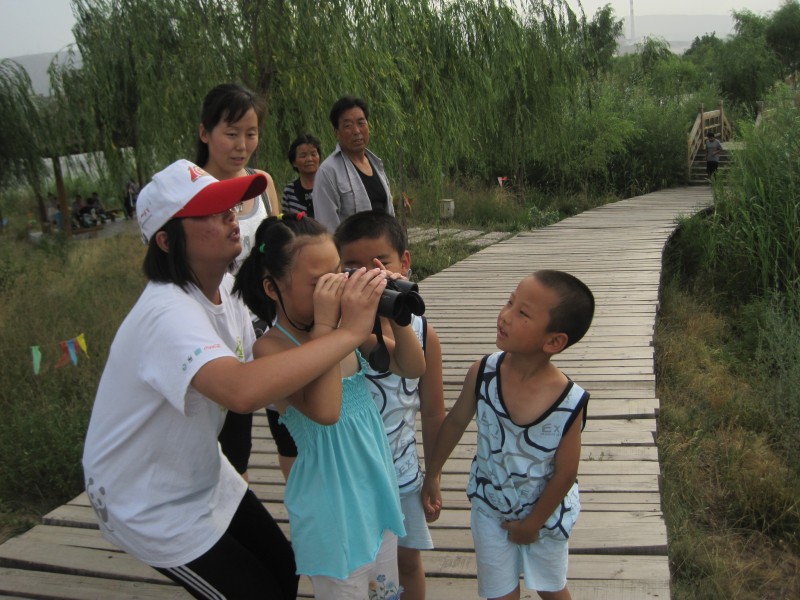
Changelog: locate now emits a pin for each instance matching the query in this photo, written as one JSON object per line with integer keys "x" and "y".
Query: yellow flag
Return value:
{"x": 82, "y": 343}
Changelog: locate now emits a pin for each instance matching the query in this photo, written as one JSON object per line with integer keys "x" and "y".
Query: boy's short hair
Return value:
{"x": 575, "y": 310}
{"x": 371, "y": 225}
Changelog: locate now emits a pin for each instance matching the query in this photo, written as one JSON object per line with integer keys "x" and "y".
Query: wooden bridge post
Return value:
{"x": 702, "y": 121}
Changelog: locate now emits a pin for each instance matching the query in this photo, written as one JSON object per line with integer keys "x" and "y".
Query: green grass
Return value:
{"x": 496, "y": 209}
{"x": 728, "y": 356}
{"x": 52, "y": 292}
{"x": 730, "y": 489}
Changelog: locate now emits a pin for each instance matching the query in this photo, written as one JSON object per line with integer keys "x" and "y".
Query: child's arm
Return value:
{"x": 321, "y": 400}
{"x": 246, "y": 387}
{"x": 405, "y": 352}
{"x": 453, "y": 427}
{"x": 406, "y": 358}
{"x": 567, "y": 459}
{"x": 431, "y": 393}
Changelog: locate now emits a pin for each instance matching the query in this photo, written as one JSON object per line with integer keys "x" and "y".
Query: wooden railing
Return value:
{"x": 712, "y": 120}
{"x": 759, "y": 113}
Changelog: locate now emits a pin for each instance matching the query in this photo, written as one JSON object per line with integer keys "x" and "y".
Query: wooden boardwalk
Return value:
{"x": 619, "y": 546}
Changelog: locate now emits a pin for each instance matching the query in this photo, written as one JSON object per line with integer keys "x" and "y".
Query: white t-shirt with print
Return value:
{"x": 154, "y": 472}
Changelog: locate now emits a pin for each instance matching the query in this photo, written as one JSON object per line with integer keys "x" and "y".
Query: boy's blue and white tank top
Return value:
{"x": 513, "y": 463}
{"x": 398, "y": 401}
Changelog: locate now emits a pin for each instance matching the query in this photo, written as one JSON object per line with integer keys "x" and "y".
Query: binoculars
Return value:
{"x": 399, "y": 301}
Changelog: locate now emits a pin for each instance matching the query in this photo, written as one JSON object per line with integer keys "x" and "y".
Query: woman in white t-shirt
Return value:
{"x": 230, "y": 122}
{"x": 162, "y": 489}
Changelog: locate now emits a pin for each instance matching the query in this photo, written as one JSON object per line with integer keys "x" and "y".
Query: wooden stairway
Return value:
{"x": 706, "y": 121}
{"x": 697, "y": 171}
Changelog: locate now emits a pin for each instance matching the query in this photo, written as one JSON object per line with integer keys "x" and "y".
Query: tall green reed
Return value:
{"x": 757, "y": 216}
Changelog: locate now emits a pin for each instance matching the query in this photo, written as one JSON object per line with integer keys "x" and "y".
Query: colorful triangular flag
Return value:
{"x": 73, "y": 356}
{"x": 37, "y": 359}
{"x": 64, "y": 358}
{"x": 82, "y": 343}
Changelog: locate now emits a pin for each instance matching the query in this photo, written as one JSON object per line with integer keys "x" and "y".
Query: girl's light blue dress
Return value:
{"x": 342, "y": 492}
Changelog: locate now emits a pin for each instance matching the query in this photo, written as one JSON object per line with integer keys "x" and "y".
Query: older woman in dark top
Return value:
{"x": 304, "y": 156}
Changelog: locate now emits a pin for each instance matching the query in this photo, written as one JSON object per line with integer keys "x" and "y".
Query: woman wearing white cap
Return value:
{"x": 154, "y": 473}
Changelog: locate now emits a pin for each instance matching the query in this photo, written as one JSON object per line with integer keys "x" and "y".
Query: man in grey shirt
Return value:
{"x": 352, "y": 179}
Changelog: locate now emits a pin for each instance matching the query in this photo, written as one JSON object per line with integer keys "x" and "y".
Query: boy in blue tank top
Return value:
{"x": 522, "y": 488}
{"x": 362, "y": 239}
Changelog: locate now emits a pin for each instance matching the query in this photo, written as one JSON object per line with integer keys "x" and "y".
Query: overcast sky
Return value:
{"x": 622, "y": 8}
{"x": 35, "y": 26}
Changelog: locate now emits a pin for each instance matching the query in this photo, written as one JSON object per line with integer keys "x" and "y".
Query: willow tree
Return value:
{"x": 783, "y": 35}
{"x": 480, "y": 86}
{"x": 21, "y": 134}
{"x": 140, "y": 80}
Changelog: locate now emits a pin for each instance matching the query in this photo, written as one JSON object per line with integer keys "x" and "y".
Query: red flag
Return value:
{"x": 64, "y": 358}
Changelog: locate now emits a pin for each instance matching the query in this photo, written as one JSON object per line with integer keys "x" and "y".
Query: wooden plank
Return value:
{"x": 439, "y": 588}
{"x": 602, "y": 567}
{"x": 597, "y": 531}
{"x": 68, "y": 564}
{"x": 267, "y": 457}
{"x": 589, "y": 467}
{"x": 272, "y": 494}
{"x": 601, "y": 432}
{"x": 34, "y": 555}
{"x": 58, "y": 586}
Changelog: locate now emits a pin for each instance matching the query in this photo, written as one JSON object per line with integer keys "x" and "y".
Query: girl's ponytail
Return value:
{"x": 249, "y": 285}
{"x": 277, "y": 240}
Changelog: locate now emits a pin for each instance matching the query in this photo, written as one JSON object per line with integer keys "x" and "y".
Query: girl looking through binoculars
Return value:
{"x": 345, "y": 537}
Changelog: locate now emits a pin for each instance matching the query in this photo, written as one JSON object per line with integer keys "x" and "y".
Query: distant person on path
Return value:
{"x": 230, "y": 122}
{"x": 369, "y": 239}
{"x": 131, "y": 193}
{"x": 304, "y": 156}
{"x": 154, "y": 473}
{"x": 713, "y": 151}
{"x": 522, "y": 486}
{"x": 352, "y": 179}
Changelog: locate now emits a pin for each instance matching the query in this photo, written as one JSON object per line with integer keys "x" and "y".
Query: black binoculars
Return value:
{"x": 399, "y": 301}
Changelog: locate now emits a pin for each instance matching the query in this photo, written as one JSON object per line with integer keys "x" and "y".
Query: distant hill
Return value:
{"x": 37, "y": 65}
{"x": 679, "y": 30}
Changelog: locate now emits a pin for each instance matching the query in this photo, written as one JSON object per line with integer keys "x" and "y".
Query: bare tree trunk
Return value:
{"x": 61, "y": 194}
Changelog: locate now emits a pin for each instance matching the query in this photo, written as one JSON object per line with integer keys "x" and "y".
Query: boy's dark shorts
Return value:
{"x": 283, "y": 439}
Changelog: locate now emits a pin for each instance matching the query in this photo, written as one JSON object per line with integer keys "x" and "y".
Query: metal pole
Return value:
{"x": 633, "y": 30}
